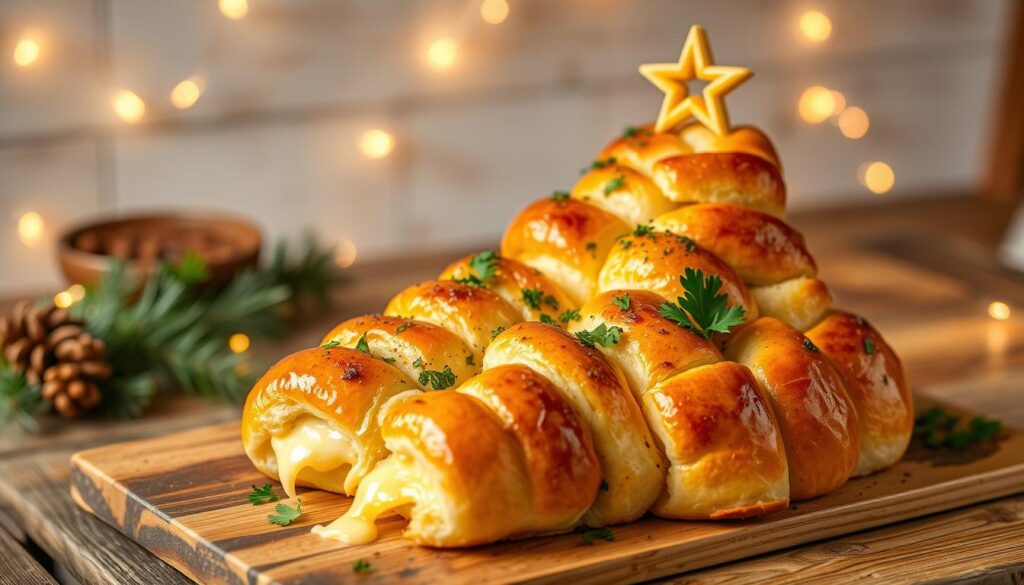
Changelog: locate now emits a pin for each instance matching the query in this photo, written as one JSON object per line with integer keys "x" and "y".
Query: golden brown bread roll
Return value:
{"x": 818, "y": 421}
{"x": 726, "y": 455}
{"x": 653, "y": 261}
{"x": 726, "y": 177}
{"x": 411, "y": 346}
{"x": 640, "y": 148}
{"x": 651, "y": 347}
{"x": 799, "y": 302}
{"x": 625, "y": 193}
{"x": 632, "y": 468}
{"x": 875, "y": 382}
{"x": 505, "y": 456}
{"x": 471, "y": 312}
{"x": 762, "y": 249}
{"x": 312, "y": 418}
{"x": 567, "y": 240}
{"x": 521, "y": 286}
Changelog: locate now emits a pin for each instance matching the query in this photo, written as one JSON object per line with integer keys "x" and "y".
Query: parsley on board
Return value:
{"x": 285, "y": 514}
{"x": 533, "y": 297}
{"x": 869, "y": 345}
{"x": 362, "y": 345}
{"x": 262, "y": 495}
{"x": 940, "y": 429}
{"x": 589, "y": 535}
{"x": 559, "y": 195}
{"x": 703, "y": 309}
{"x": 361, "y": 567}
{"x": 331, "y": 344}
{"x": 602, "y": 334}
{"x": 621, "y": 302}
{"x": 569, "y": 315}
{"x": 545, "y": 318}
{"x": 496, "y": 331}
{"x": 614, "y": 185}
{"x": 438, "y": 380}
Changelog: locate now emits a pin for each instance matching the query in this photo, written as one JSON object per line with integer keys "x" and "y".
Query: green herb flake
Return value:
{"x": 470, "y": 361}
{"x": 614, "y": 185}
{"x": 285, "y": 514}
{"x": 331, "y": 344}
{"x": 545, "y": 318}
{"x": 533, "y": 297}
{"x": 643, "y": 230}
{"x": 418, "y": 362}
{"x": 362, "y": 345}
{"x": 702, "y": 309}
{"x": 262, "y": 495}
{"x": 569, "y": 315}
{"x": 630, "y": 132}
{"x": 403, "y": 327}
{"x": 361, "y": 567}
{"x": 941, "y": 430}
{"x": 869, "y": 345}
{"x": 622, "y": 302}
{"x": 559, "y": 195}
{"x": 497, "y": 330}
{"x": 600, "y": 335}
{"x": 589, "y": 535}
{"x": 809, "y": 345}
{"x": 438, "y": 380}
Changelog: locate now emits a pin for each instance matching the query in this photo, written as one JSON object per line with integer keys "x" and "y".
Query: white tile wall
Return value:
{"x": 291, "y": 87}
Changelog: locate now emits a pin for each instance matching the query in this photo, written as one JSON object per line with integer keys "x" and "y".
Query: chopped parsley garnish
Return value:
{"x": 532, "y": 297}
{"x": 438, "y": 380}
{"x": 331, "y": 344}
{"x": 559, "y": 195}
{"x": 569, "y": 315}
{"x": 403, "y": 327}
{"x": 869, "y": 345}
{"x": 643, "y": 229}
{"x": 630, "y": 132}
{"x": 262, "y": 495}
{"x": 545, "y": 318}
{"x": 362, "y": 346}
{"x": 614, "y": 185}
{"x": 691, "y": 246}
{"x": 550, "y": 301}
{"x": 602, "y": 334}
{"x": 469, "y": 360}
{"x": 496, "y": 331}
{"x": 388, "y": 360}
{"x": 481, "y": 268}
{"x": 592, "y": 534}
{"x": 702, "y": 309}
{"x": 418, "y": 362}
{"x": 625, "y": 243}
{"x": 604, "y": 486}
{"x": 599, "y": 164}
{"x": 940, "y": 429}
{"x": 285, "y": 514}
{"x": 621, "y": 302}
{"x": 591, "y": 246}
{"x": 810, "y": 346}
{"x": 361, "y": 567}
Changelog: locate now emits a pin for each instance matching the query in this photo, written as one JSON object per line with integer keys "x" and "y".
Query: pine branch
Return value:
{"x": 20, "y": 401}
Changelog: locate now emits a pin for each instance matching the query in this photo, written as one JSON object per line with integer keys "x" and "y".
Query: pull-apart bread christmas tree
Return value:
{"x": 655, "y": 340}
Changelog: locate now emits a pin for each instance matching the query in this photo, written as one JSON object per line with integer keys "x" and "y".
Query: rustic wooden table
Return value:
{"x": 922, "y": 272}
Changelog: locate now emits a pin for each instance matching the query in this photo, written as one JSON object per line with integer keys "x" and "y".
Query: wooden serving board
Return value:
{"x": 183, "y": 497}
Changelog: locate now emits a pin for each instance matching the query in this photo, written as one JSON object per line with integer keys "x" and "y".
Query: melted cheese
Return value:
{"x": 312, "y": 449}
{"x": 395, "y": 483}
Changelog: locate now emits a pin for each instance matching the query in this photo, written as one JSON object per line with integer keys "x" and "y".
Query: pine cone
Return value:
{"x": 50, "y": 347}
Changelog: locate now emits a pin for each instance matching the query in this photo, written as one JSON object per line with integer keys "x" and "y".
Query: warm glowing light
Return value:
{"x": 239, "y": 342}
{"x": 233, "y": 9}
{"x": 442, "y": 53}
{"x": 840, "y": 102}
{"x": 63, "y": 299}
{"x": 346, "y": 253}
{"x": 376, "y": 143}
{"x": 854, "y": 123}
{"x": 877, "y": 176}
{"x": 494, "y": 11}
{"x": 815, "y": 26}
{"x": 30, "y": 228}
{"x": 187, "y": 92}
{"x": 26, "y": 52}
{"x": 816, "y": 104}
{"x": 77, "y": 292}
{"x": 999, "y": 310}
{"x": 128, "y": 106}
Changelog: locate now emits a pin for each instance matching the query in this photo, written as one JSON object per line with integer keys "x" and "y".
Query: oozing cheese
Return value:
{"x": 314, "y": 449}
{"x": 396, "y": 482}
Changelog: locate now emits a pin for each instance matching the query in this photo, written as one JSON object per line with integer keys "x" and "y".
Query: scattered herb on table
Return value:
{"x": 589, "y": 535}
{"x": 262, "y": 495}
{"x": 285, "y": 514}
{"x": 939, "y": 429}
{"x": 361, "y": 567}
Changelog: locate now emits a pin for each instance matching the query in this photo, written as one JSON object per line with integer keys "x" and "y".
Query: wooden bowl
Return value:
{"x": 228, "y": 244}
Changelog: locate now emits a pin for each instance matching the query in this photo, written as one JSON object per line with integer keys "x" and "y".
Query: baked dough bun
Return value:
{"x": 632, "y": 468}
{"x": 725, "y": 452}
{"x": 411, "y": 346}
{"x": 875, "y": 382}
{"x": 654, "y": 262}
{"x": 799, "y": 302}
{"x": 471, "y": 312}
{"x": 816, "y": 416}
{"x": 312, "y": 419}
{"x": 761, "y": 248}
{"x": 625, "y": 193}
{"x": 510, "y": 281}
{"x": 505, "y": 456}
{"x": 567, "y": 240}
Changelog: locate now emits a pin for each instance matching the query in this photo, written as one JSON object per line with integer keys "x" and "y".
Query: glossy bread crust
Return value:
{"x": 567, "y": 240}
{"x": 343, "y": 387}
{"x": 510, "y": 279}
{"x": 816, "y": 416}
{"x": 722, "y": 177}
{"x": 875, "y": 382}
{"x": 726, "y": 455}
{"x": 799, "y": 302}
{"x": 633, "y": 469}
{"x": 625, "y": 193}
{"x": 761, "y": 248}
{"x": 471, "y": 312}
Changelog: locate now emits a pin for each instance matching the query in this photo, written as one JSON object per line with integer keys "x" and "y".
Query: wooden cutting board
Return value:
{"x": 183, "y": 497}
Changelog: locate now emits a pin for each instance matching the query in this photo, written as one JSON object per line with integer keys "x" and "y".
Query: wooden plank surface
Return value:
{"x": 17, "y": 567}
{"x": 183, "y": 497}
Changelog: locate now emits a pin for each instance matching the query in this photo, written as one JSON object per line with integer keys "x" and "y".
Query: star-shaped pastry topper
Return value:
{"x": 695, "y": 62}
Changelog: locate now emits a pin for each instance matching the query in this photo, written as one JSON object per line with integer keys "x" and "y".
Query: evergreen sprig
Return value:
{"x": 20, "y": 401}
